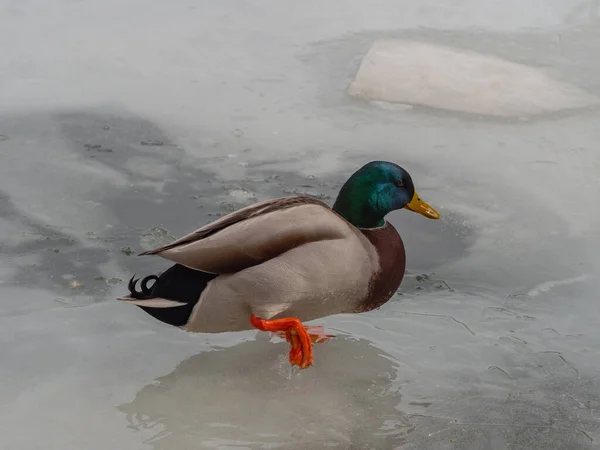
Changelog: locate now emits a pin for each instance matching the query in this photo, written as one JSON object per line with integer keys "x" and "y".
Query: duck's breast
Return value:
{"x": 392, "y": 264}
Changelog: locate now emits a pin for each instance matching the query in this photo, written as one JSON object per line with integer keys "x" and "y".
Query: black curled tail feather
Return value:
{"x": 146, "y": 292}
{"x": 179, "y": 284}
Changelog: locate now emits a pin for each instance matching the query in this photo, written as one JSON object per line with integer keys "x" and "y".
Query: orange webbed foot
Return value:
{"x": 295, "y": 333}
{"x": 315, "y": 332}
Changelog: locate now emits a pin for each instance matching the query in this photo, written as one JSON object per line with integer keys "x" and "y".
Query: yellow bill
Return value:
{"x": 419, "y": 206}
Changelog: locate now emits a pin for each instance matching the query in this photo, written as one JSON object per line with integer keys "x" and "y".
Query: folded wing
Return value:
{"x": 255, "y": 234}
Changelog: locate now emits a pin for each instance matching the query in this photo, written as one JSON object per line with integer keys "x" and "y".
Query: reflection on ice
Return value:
{"x": 243, "y": 395}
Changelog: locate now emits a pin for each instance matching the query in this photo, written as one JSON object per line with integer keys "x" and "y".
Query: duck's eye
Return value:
{"x": 399, "y": 183}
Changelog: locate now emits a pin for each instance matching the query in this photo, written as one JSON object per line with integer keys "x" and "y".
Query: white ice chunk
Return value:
{"x": 400, "y": 71}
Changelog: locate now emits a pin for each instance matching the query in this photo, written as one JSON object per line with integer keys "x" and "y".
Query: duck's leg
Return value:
{"x": 301, "y": 353}
{"x": 315, "y": 332}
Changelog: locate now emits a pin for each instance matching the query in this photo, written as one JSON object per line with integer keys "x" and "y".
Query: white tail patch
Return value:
{"x": 152, "y": 302}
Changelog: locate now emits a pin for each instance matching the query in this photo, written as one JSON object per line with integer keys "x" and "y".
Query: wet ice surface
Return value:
{"x": 124, "y": 125}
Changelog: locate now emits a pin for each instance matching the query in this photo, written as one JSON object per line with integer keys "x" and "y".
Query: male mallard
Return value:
{"x": 277, "y": 263}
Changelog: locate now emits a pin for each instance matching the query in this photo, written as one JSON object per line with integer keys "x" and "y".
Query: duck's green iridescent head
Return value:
{"x": 376, "y": 189}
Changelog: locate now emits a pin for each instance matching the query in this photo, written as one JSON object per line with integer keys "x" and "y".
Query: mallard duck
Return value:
{"x": 278, "y": 263}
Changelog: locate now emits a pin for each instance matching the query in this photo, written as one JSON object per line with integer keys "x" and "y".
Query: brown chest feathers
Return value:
{"x": 392, "y": 262}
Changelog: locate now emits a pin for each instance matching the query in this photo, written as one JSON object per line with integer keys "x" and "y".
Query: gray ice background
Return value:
{"x": 123, "y": 124}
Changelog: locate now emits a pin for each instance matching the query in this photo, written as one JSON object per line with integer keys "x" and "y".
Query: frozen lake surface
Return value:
{"x": 125, "y": 123}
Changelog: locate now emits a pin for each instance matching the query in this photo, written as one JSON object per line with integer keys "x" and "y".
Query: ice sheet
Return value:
{"x": 128, "y": 122}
